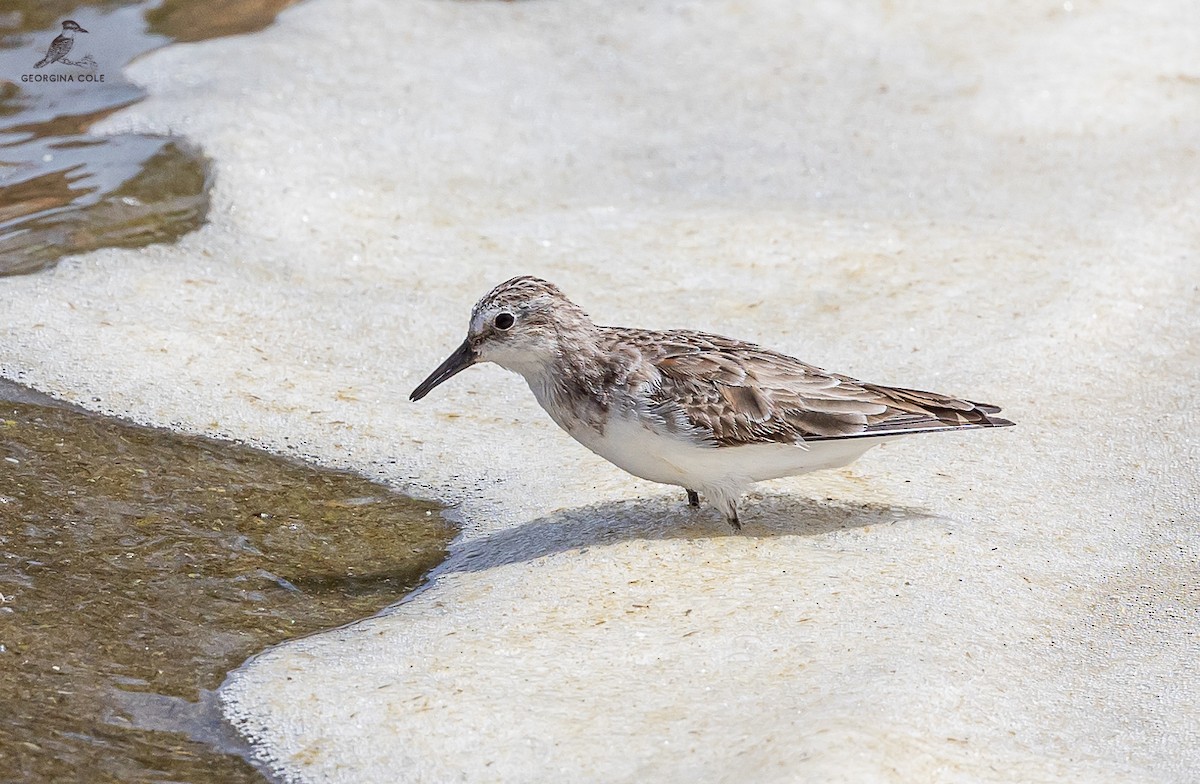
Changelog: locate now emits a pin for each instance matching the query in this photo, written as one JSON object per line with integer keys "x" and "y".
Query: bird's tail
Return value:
{"x": 914, "y": 411}
{"x": 41, "y": 63}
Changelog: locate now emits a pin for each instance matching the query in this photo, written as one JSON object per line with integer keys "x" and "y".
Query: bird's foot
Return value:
{"x": 726, "y": 504}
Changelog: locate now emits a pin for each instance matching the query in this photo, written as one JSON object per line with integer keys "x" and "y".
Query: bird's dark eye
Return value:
{"x": 504, "y": 321}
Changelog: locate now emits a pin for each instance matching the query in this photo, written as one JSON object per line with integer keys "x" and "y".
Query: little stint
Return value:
{"x": 707, "y": 413}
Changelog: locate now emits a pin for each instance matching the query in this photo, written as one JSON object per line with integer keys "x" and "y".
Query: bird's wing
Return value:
{"x": 742, "y": 393}
{"x": 59, "y": 48}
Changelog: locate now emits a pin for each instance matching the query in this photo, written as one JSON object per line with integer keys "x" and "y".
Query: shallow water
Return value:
{"x": 64, "y": 191}
{"x": 139, "y": 566}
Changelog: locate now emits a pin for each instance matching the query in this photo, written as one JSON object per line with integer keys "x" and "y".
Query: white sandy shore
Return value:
{"x": 995, "y": 200}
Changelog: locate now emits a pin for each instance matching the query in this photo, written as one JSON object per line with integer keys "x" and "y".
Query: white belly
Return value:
{"x": 627, "y": 444}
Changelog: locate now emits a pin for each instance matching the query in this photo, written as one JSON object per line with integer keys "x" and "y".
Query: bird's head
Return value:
{"x": 521, "y": 325}
{"x": 72, "y": 25}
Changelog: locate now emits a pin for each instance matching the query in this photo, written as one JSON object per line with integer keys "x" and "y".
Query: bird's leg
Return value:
{"x": 693, "y": 498}
{"x": 727, "y": 503}
{"x": 733, "y": 520}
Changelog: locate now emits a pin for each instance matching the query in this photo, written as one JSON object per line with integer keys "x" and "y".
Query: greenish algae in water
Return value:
{"x": 199, "y": 20}
{"x": 139, "y": 566}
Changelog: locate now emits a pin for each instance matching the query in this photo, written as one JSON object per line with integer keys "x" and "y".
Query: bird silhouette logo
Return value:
{"x": 61, "y": 46}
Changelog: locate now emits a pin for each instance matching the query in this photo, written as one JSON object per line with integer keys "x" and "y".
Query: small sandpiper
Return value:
{"x": 700, "y": 411}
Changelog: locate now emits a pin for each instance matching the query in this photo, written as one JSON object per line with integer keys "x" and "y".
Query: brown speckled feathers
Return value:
{"x": 743, "y": 393}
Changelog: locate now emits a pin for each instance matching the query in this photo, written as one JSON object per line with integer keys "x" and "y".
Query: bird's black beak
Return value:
{"x": 463, "y": 357}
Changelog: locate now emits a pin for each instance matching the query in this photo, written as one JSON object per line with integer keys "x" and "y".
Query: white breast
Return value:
{"x": 660, "y": 457}
{"x": 636, "y": 445}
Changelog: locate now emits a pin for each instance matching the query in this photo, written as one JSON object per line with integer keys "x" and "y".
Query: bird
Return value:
{"x": 60, "y": 47}
{"x": 707, "y": 413}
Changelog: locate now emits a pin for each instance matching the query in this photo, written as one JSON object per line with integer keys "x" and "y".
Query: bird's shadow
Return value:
{"x": 663, "y": 518}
